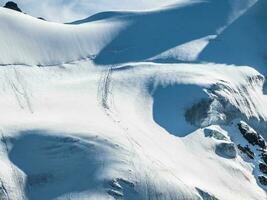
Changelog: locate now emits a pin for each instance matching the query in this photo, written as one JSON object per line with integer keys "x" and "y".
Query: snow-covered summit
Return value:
{"x": 116, "y": 37}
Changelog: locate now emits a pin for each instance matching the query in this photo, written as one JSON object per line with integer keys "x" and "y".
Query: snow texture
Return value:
{"x": 142, "y": 104}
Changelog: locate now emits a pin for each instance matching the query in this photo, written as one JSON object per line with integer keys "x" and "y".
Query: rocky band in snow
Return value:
{"x": 254, "y": 139}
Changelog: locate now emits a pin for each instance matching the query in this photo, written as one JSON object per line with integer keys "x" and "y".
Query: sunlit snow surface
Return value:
{"x": 70, "y": 10}
{"x": 117, "y": 106}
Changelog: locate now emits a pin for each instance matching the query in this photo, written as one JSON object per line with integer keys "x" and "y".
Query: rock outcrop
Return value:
{"x": 251, "y": 135}
{"x": 263, "y": 180}
{"x": 264, "y": 157}
{"x": 263, "y": 168}
{"x": 226, "y": 150}
{"x": 247, "y": 151}
{"x": 12, "y": 5}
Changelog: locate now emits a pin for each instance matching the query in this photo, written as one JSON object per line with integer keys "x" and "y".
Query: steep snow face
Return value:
{"x": 137, "y": 43}
{"x": 243, "y": 42}
{"x": 239, "y": 7}
{"x": 74, "y": 129}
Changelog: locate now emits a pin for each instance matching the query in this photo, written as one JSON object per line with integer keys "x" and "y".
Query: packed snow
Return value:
{"x": 166, "y": 103}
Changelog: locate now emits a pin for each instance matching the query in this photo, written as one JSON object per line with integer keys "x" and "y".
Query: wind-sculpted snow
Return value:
{"x": 114, "y": 37}
{"x": 37, "y": 42}
{"x": 73, "y": 129}
{"x": 138, "y": 41}
{"x": 244, "y": 42}
{"x": 58, "y": 161}
{"x": 168, "y": 99}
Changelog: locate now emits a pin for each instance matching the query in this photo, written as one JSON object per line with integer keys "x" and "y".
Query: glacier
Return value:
{"x": 165, "y": 103}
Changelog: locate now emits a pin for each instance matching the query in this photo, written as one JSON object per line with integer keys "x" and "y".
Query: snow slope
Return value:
{"x": 114, "y": 37}
{"x": 117, "y": 107}
{"x": 42, "y": 43}
{"x": 243, "y": 42}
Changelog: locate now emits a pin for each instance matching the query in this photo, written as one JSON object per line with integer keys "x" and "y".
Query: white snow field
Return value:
{"x": 163, "y": 104}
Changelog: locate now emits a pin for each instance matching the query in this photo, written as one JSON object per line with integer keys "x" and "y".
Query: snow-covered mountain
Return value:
{"x": 159, "y": 104}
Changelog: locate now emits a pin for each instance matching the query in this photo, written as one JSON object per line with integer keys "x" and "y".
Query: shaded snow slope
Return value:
{"x": 243, "y": 42}
{"x": 138, "y": 42}
{"x": 115, "y": 37}
{"x": 74, "y": 129}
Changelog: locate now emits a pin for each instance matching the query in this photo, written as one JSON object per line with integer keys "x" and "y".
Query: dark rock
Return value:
{"x": 246, "y": 150}
{"x": 263, "y": 168}
{"x": 264, "y": 157}
{"x": 198, "y": 112}
{"x": 41, "y": 18}
{"x": 251, "y": 136}
{"x": 215, "y": 134}
{"x": 226, "y": 150}
{"x": 12, "y": 5}
{"x": 263, "y": 180}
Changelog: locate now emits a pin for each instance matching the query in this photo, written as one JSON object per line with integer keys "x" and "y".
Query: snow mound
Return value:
{"x": 42, "y": 43}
